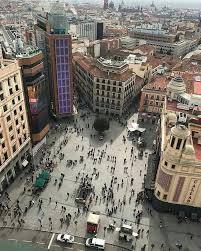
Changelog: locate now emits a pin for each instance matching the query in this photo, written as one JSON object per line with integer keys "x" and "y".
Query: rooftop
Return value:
{"x": 88, "y": 64}
{"x": 157, "y": 84}
{"x": 197, "y": 88}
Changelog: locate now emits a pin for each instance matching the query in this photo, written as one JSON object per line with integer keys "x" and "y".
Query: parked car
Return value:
{"x": 65, "y": 238}
{"x": 95, "y": 243}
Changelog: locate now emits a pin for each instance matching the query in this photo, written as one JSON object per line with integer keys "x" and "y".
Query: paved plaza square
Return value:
{"x": 158, "y": 231}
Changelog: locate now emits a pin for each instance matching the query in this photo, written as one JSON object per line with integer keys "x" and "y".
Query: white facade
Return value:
{"x": 87, "y": 29}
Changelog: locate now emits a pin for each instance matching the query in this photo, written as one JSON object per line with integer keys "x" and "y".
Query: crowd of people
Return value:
{"x": 52, "y": 156}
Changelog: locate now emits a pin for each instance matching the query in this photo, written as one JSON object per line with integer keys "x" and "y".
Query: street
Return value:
{"x": 46, "y": 240}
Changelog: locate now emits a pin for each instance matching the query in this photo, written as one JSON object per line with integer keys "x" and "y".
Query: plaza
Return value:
{"x": 157, "y": 231}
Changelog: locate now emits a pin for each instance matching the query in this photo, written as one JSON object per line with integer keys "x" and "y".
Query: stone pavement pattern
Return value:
{"x": 169, "y": 234}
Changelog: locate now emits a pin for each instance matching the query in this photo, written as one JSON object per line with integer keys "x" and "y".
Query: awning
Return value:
{"x": 39, "y": 183}
{"x": 44, "y": 175}
{"x": 93, "y": 219}
{"x": 25, "y": 163}
{"x": 135, "y": 127}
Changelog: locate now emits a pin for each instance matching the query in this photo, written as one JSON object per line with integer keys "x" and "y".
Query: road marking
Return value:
{"x": 40, "y": 243}
{"x": 51, "y": 240}
{"x": 12, "y": 240}
{"x": 26, "y": 241}
{"x": 55, "y": 245}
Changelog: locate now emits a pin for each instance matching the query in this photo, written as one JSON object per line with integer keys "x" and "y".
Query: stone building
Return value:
{"x": 178, "y": 179}
{"x": 15, "y": 143}
{"x": 108, "y": 86}
{"x": 153, "y": 96}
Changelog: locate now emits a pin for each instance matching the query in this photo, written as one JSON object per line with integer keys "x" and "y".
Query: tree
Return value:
{"x": 101, "y": 124}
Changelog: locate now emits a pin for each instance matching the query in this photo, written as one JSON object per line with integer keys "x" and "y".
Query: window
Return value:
{"x": 103, "y": 87}
{"x": 15, "y": 79}
{"x": 178, "y": 143}
{"x": 18, "y": 97}
{"x": 5, "y": 156}
{"x": 20, "y": 107}
{"x": 158, "y": 193}
{"x": 108, "y": 88}
{"x": 165, "y": 197}
{"x": 173, "y": 166}
{"x": 9, "y": 82}
{"x": 3, "y": 145}
{"x": 12, "y": 138}
{"x": 1, "y": 97}
{"x": 13, "y": 102}
{"x": 5, "y": 108}
{"x": 14, "y": 148}
{"x": 1, "y": 86}
{"x": 25, "y": 136}
{"x": 20, "y": 141}
{"x": 1, "y": 136}
{"x": 15, "y": 112}
{"x": 16, "y": 88}
{"x": 97, "y": 80}
{"x": 23, "y": 126}
{"x": 11, "y": 91}
{"x": 114, "y": 89}
{"x": 172, "y": 142}
{"x": 22, "y": 117}
{"x": 165, "y": 163}
{"x": 8, "y": 118}
{"x": 97, "y": 86}
{"x": 10, "y": 128}
{"x": 16, "y": 122}
{"x": 18, "y": 131}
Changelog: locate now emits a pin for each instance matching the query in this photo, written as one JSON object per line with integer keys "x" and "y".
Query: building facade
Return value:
{"x": 88, "y": 29}
{"x": 178, "y": 180}
{"x": 35, "y": 93}
{"x": 164, "y": 42}
{"x": 153, "y": 96}
{"x": 53, "y": 34}
{"x": 108, "y": 86}
{"x": 178, "y": 176}
{"x": 15, "y": 142}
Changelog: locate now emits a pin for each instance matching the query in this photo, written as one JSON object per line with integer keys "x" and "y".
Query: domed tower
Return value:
{"x": 170, "y": 166}
{"x": 175, "y": 87}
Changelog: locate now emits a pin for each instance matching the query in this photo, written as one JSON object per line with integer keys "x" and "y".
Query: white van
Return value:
{"x": 95, "y": 243}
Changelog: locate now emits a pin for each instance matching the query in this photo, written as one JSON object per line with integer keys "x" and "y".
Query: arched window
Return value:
{"x": 172, "y": 142}
{"x": 178, "y": 143}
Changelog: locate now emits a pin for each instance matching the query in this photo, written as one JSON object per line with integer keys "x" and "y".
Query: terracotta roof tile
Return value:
{"x": 88, "y": 63}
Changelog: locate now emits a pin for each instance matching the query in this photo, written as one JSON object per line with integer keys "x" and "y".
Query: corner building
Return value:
{"x": 108, "y": 86}
{"x": 178, "y": 181}
{"x": 35, "y": 93}
{"x": 15, "y": 142}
